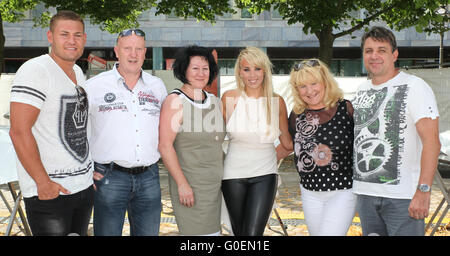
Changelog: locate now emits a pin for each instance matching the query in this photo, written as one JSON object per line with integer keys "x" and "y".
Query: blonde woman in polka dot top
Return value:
{"x": 321, "y": 126}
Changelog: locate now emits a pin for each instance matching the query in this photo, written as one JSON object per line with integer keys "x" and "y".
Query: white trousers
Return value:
{"x": 328, "y": 213}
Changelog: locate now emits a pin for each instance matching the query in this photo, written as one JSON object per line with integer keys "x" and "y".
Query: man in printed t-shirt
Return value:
{"x": 125, "y": 104}
{"x": 48, "y": 117}
{"x": 396, "y": 145}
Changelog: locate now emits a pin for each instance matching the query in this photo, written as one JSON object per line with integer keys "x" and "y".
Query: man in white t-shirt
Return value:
{"x": 396, "y": 144}
{"x": 125, "y": 104}
{"x": 48, "y": 117}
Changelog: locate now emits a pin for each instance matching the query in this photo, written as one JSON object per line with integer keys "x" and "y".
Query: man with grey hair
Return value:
{"x": 124, "y": 121}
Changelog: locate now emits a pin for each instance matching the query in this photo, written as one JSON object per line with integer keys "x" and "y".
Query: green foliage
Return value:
{"x": 116, "y": 15}
{"x": 327, "y": 19}
{"x": 111, "y": 15}
{"x": 425, "y": 17}
{"x": 200, "y": 9}
{"x": 12, "y": 10}
{"x": 331, "y": 19}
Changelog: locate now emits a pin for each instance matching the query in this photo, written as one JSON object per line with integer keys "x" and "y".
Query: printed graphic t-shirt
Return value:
{"x": 387, "y": 147}
{"x": 60, "y": 129}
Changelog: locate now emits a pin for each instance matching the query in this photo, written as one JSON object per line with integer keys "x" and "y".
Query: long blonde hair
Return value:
{"x": 257, "y": 58}
{"x": 318, "y": 72}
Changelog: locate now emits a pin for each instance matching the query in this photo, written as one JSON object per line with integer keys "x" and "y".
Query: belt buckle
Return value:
{"x": 138, "y": 170}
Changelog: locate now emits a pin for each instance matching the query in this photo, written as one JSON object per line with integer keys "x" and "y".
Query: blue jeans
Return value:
{"x": 118, "y": 192}
{"x": 387, "y": 217}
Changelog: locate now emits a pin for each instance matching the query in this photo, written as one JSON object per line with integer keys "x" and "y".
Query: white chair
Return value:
{"x": 446, "y": 193}
{"x": 8, "y": 175}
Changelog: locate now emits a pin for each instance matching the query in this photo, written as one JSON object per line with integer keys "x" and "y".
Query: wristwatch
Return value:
{"x": 424, "y": 187}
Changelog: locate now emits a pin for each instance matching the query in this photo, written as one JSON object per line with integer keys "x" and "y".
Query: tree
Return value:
{"x": 111, "y": 15}
{"x": 433, "y": 18}
{"x": 200, "y": 9}
{"x": 331, "y": 19}
{"x": 11, "y": 11}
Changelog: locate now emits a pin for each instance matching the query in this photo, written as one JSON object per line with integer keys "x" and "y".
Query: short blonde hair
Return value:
{"x": 314, "y": 70}
{"x": 257, "y": 58}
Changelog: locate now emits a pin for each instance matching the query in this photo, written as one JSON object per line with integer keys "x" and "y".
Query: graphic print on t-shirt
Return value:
{"x": 310, "y": 153}
{"x": 149, "y": 103}
{"x": 379, "y": 125}
{"x": 72, "y": 128}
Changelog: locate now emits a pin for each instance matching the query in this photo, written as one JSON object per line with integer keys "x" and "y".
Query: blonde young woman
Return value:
{"x": 321, "y": 126}
{"x": 255, "y": 118}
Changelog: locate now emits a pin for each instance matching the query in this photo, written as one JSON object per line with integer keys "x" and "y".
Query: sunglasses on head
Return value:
{"x": 82, "y": 101}
{"x": 129, "y": 32}
{"x": 309, "y": 63}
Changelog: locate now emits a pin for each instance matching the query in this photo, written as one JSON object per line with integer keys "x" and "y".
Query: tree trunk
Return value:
{"x": 2, "y": 46}
{"x": 326, "y": 40}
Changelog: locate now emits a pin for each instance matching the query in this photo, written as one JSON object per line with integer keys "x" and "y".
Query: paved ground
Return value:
{"x": 288, "y": 206}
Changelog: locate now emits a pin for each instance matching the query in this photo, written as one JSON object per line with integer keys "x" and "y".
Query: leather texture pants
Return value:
{"x": 249, "y": 202}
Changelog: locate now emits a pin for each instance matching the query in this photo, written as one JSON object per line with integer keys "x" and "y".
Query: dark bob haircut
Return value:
{"x": 183, "y": 58}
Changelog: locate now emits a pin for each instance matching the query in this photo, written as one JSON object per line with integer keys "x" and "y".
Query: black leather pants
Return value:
{"x": 249, "y": 202}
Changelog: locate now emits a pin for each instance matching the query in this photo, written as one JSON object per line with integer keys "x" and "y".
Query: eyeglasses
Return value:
{"x": 82, "y": 100}
{"x": 309, "y": 63}
{"x": 129, "y": 32}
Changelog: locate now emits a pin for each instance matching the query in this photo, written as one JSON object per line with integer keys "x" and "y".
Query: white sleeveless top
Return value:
{"x": 251, "y": 151}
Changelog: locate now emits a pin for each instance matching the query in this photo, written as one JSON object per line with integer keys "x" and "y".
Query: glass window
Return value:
{"x": 172, "y": 16}
{"x": 283, "y": 67}
{"x": 275, "y": 14}
{"x": 347, "y": 67}
{"x": 352, "y": 67}
{"x": 38, "y": 10}
{"x": 148, "y": 64}
{"x": 226, "y": 16}
{"x": 403, "y": 63}
{"x": 226, "y": 66}
{"x": 245, "y": 14}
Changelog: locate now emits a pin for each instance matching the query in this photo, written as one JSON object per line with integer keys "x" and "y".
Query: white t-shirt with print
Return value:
{"x": 387, "y": 147}
{"x": 60, "y": 128}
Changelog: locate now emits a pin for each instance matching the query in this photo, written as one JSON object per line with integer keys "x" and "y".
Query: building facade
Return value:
{"x": 285, "y": 44}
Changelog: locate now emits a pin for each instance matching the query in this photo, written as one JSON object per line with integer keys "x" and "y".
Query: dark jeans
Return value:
{"x": 60, "y": 216}
{"x": 120, "y": 192}
{"x": 249, "y": 202}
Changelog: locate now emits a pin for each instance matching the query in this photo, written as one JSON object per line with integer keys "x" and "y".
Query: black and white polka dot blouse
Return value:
{"x": 323, "y": 147}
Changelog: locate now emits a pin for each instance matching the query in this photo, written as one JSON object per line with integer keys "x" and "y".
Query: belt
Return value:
{"x": 132, "y": 170}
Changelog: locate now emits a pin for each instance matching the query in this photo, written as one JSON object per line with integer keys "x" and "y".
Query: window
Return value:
{"x": 241, "y": 14}
{"x": 275, "y": 14}
{"x": 173, "y": 16}
{"x": 283, "y": 67}
{"x": 245, "y": 14}
{"x": 226, "y": 66}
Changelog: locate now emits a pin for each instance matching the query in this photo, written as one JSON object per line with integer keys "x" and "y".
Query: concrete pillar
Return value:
{"x": 157, "y": 58}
